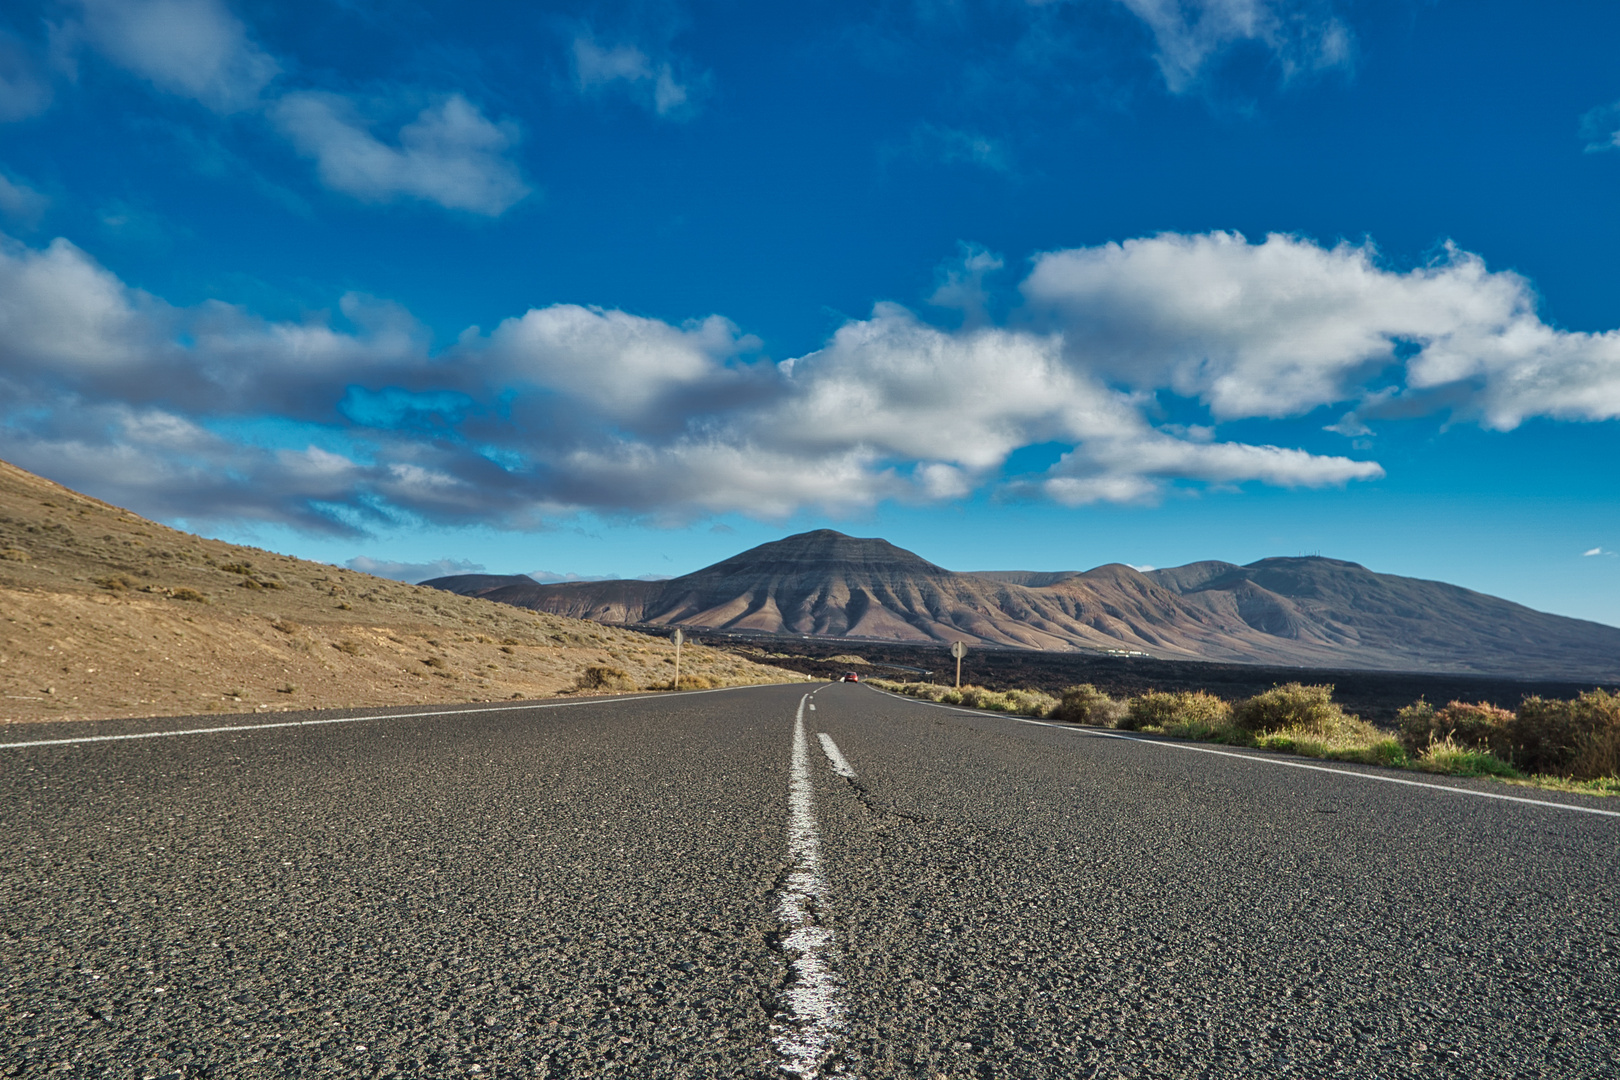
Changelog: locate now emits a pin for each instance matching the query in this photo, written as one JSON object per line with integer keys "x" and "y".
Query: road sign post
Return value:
{"x": 678, "y": 637}
{"x": 958, "y": 650}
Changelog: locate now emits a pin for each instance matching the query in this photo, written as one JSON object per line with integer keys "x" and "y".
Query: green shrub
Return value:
{"x": 1160, "y": 709}
{"x": 1579, "y": 739}
{"x": 1480, "y": 726}
{"x": 1031, "y": 702}
{"x": 1292, "y": 707}
{"x": 1085, "y": 704}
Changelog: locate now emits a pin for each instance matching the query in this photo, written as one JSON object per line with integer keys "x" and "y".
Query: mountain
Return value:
{"x": 1312, "y": 612}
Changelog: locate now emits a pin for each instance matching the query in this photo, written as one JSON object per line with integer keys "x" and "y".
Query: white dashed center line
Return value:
{"x": 839, "y": 764}
{"x": 805, "y": 1031}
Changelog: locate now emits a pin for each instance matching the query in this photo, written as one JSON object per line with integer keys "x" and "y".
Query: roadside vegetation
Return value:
{"x": 1564, "y": 745}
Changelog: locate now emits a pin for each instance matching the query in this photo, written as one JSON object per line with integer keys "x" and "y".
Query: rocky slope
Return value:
{"x": 1311, "y": 612}
{"x": 105, "y": 614}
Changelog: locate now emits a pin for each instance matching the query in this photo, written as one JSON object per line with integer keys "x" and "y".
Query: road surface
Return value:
{"x": 771, "y": 882}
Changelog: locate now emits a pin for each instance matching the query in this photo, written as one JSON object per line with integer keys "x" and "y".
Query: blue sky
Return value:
{"x": 619, "y": 289}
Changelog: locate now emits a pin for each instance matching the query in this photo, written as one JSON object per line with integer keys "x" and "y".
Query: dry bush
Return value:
{"x": 115, "y": 583}
{"x": 1031, "y": 702}
{"x": 14, "y": 555}
{"x": 433, "y": 661}
{"x": 1292, "y": 707}
{"x": 1085, "y": 704}
{"x": 1578, "y": 739}
{"x": 1159, "y": 709}
{"x": 285, "y": 626}
{"x": 1480, "y": 726}
{"x": 603, "y": 677}
{"x": 347, "y": 646}
{"x": 696, "y": 682}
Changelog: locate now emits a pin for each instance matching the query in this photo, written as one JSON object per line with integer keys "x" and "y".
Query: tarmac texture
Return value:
{"x": 595, "y": 889}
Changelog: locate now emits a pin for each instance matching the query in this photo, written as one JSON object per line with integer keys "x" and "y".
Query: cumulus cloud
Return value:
{"x": 1302, "y": 37}
{"x": 451, "y": 154}
{"x": 413, "y": 572}
{"x": 569, "y": 408}
{"x": 193, "y": 48}
{"x": 1285, "y": 326}
{"x": 628, "y": 68}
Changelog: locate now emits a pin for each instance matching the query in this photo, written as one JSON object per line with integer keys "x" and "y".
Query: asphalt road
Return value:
{"x": 640, "y": 888}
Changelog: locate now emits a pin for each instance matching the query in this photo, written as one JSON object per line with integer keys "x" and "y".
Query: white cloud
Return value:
{"x": 622, "y": 365}
{"x": 654, "y": 84}
{"x": 1302, "y": 36}
{"x": 1285, "y": 326}
{"x": 550, "y": 577}
{"x": 1597, "y": 551}
{"x": 413, "y": 572}
{"x": 194, "y": 48}
{"x": 961, "y": 282}
{"x": 566, "y": 408}
{"x": 450, "y": 154}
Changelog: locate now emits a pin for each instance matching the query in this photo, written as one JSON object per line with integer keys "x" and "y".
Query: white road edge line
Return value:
{"x": 1094, "y": 733}
{"x": 805, "y": 1032}
{"x": 840, "y": 764}
{"x": 351, "y": 719}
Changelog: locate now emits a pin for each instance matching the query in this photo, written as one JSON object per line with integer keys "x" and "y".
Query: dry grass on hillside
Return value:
{"x": 105, "y": 614}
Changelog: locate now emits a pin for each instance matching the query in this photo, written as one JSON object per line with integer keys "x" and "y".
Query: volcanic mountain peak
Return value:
{"x": 824, "y": 551}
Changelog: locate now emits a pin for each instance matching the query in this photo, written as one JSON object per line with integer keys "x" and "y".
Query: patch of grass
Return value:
{"x": 114, "y": 583}
{"x": 190, "y": 596}
{"x": 348, "y": 647}
{"x": 237, "y": 568}
{"x": 1452, "y": 758}
{"x": 433, "y": 661}
{"x": 13, "y": 555}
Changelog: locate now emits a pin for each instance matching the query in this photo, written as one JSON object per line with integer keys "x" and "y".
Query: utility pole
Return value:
{"x": 678, "y": 638}
{"x": 958, "y": 650}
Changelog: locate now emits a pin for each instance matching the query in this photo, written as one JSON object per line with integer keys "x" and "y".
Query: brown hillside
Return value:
{"x": 105, "y": 614}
